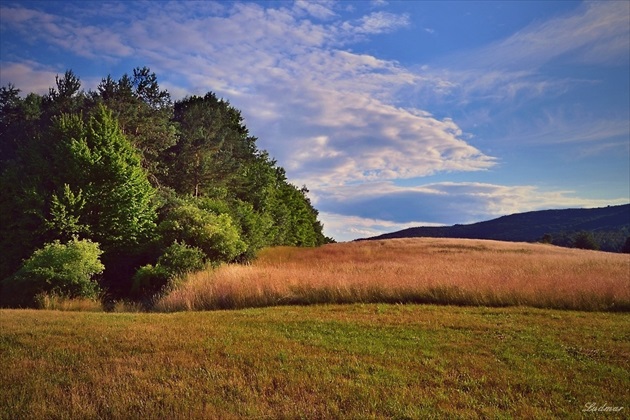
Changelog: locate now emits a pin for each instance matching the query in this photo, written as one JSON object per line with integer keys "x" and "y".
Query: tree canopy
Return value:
{"x": 128, "y": 169}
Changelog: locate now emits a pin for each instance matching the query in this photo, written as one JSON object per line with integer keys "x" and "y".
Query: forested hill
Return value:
{"x": 606, "y": 228}
{"x": 118, "y": 190}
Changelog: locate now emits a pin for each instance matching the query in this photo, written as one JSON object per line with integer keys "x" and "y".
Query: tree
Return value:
{"x": 143, "y": 112}
{"x": 19, "y": 121}
{"x": 585, "y": 240}
{"x": 212, "y": 149}
{"x": 67, "y": 97}
{"x": 100, "y": 186}
{"x": 76, "y": 178}
{"x": 177, "y": 260}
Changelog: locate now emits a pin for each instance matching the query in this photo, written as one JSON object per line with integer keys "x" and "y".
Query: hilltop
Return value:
{"x": 610, "y": 226}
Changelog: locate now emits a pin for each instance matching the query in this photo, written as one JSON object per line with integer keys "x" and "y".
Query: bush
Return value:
{"x": 177, "y": 260}
{"x": 65, "y": 270}
{"x": 216, "y": 235}
{"x": 149, "y": 280}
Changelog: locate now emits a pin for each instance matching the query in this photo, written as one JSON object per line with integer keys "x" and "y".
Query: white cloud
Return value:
{"x": 512, "y": 70}
{"x": 89, "y": 41}
{"x": 320, "y": 9}
{"x": 378, "y": 22}
{"x": 347, "y": 228}
{"x": 295, "y": 94}
{"x": 27, "y": 76}
{"x": 379, "y": 3}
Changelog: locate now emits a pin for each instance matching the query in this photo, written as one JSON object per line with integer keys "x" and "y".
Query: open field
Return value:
{"x": 320, "y": 361}
{"x": 419, "y": 270}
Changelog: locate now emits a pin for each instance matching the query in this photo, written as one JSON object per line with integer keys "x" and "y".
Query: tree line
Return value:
{"x": 599, "y": 240}
{"x": 120, "y": 189}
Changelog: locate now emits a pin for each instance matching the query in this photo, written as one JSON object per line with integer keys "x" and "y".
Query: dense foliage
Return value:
{"x": 60, "y": 269}
{"x": 161, "y": 187}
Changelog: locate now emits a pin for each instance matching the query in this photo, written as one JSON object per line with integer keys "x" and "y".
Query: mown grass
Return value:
{"x": 331, "y": 361}
{"x": 425, "y": 270}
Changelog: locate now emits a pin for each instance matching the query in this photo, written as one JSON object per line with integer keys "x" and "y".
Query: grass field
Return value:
{"x": 320, "y": 361}
{"x": 501, "y": 344}
{"x": 423, "y": 270}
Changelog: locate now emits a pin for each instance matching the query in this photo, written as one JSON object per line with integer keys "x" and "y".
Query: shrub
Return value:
{"x": 177, "y": 260}
{"x": 215, "y": 235}
{"x": 149, "y": 280}
{"x": 65, "y": 270}
{"x": 180, "y": 258}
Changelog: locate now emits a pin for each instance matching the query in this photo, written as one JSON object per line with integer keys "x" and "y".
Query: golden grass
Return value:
{"x": 62, "y": 303}
{"x": 419, "y": 270}
{"x": 363, "y": 361}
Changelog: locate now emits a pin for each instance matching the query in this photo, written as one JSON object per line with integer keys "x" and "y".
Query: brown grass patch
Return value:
{"x": 420, "y": 270}
{"x": 61, "y": 303}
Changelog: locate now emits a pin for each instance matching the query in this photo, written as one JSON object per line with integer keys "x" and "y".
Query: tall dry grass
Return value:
{"x": 50, "y": 301}
{"x": 421, "y": 270}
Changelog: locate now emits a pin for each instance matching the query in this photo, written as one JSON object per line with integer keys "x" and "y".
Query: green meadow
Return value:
{"x": 319, "y": 361}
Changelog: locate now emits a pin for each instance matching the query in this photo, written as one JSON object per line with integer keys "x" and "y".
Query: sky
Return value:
{"x": 393, "y": 113}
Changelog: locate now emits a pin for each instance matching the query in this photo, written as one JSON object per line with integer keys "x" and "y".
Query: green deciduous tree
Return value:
{"x": 177, "y": 260}
{"x": 113, "y": 198}
{"x": 103, "y": 165}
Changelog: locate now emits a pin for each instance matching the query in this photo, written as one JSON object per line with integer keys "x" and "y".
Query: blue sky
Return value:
{"x": 394, "y": 114}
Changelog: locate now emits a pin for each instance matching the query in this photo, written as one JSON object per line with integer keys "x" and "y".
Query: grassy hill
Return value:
{"x": 415, "y": 270}
{"x": 531, "y": 226}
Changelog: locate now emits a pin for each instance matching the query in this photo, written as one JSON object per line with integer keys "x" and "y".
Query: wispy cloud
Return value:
{"x": 69, "y": 34}
{"x": 320, "y": 9}
{"x": 596, "y": 33}
{"x": 514, "y": 68}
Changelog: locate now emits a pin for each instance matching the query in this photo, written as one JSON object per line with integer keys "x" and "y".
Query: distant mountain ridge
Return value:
{"x": 532, "y": 226}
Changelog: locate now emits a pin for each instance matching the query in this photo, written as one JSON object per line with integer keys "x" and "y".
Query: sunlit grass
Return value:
{"x": 350, "y": 361}
{"x": 61, "y": 303}
{"x": 444, "y": 271}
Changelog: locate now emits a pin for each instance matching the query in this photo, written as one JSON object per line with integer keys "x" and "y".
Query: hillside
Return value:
{"x": 611, "y": 221}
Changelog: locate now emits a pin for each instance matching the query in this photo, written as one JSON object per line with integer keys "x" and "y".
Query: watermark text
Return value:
{"x": 601, "y": 408}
